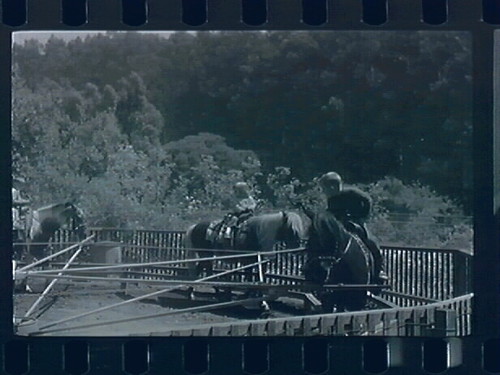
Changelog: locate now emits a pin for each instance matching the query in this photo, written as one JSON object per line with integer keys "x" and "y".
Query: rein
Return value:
{"x": 334, "y": 260}
{"x": 337, "y": 259}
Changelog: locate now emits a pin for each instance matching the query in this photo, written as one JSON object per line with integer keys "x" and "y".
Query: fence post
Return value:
{"x": 445, "y": 323}
{"x": 461, "y": 277}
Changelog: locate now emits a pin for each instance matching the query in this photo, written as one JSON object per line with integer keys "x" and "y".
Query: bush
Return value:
{"x": 415, "y": 215}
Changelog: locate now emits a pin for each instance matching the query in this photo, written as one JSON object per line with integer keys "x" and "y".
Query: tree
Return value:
{"x": 367, "y": 105}
{"x": 415, "y": 215}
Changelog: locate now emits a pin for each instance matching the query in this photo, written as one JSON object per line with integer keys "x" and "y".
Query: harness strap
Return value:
{"x": 344, "y": 251}
{"x": 336, "y": 259}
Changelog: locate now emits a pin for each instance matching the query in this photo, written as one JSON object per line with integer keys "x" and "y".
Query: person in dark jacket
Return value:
{"x": 352, "y": 208}
{"x": 20, "y": 206}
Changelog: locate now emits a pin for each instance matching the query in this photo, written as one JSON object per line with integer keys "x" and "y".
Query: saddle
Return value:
{"x": 224, "y": 233}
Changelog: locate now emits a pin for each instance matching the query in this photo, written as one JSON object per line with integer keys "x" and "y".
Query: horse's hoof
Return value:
{"x": 266, "y": 312}
{"x": 265, "y": 306}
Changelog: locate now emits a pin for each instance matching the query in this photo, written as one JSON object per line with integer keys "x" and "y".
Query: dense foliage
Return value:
{"x": 151, "y": 131}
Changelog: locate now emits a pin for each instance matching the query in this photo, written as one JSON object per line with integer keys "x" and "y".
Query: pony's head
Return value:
{"x": 64, "y": 215}
{"x": 45, "y": 221}
{"x": 75, "y": 218}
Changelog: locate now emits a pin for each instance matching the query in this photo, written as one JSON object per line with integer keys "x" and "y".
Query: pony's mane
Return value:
{"x": 295, "y": 222}
{"x": 67, "y": 208}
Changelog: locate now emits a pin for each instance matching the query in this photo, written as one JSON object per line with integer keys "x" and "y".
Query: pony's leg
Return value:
{"x": 353, "y": 301}
{"x": 196, "y": 268}
{"x": 328, "y": 303}
{"x": 192, "y": 271}
{"x": 263, "y": 305}
{"x": 206, "y": 265}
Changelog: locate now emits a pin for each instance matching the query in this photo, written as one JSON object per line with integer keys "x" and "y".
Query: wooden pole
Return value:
{"x": 146, "y": 282}
{"x": 132, "y": 265}
{"x": 52, "y": 283}
{"x": 151, "y": 247}
{"x": 143, "y": 297}
{"x": 29, "y": 266}
{"x": 261, "y": 271}
{"x": 264, "y": 303}
{"x": 45, "y": 243}
{"x": 239, "y": 285}
{"x": 214, "y": 306}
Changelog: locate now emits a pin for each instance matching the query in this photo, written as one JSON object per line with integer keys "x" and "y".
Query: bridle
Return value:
{"x": 333, "y": 260}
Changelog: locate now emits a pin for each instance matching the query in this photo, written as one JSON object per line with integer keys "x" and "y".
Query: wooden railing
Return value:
{"x": 431, "y": 273}
{"x": 417, "y": 275}
{"x": 446, "y": 318}
{"x": 431, "y": 286}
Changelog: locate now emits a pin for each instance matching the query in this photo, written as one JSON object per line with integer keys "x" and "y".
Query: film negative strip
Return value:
{"x": 189, "y": 184}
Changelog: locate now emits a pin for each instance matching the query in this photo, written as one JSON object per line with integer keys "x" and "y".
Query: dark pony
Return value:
{"x": 337, "y": 256}
{"x": 258, "y": 233}
{"x": 45, "y": 221}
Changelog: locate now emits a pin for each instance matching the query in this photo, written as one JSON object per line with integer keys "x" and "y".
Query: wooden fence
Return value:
{"x": 431, "y": 286}
{"x": 417, "y": 275}
{"x": 427, "y": 273}
{"x": 446, "y": 318}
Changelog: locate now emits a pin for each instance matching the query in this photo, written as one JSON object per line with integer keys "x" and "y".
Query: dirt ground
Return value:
{"x": 70, "y": 300}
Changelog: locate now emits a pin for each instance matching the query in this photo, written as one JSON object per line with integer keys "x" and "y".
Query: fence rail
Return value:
{"x": 445, "y": 318}
{"x": 416, "y": 274}
{"x": 431, "y": 286}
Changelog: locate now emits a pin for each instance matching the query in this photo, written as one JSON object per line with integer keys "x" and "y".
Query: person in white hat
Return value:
{"x": 244, "y": 208}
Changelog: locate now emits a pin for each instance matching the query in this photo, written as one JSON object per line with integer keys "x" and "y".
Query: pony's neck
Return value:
{"x": 343, "y": 237}
{"x": 268, "y": 231}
